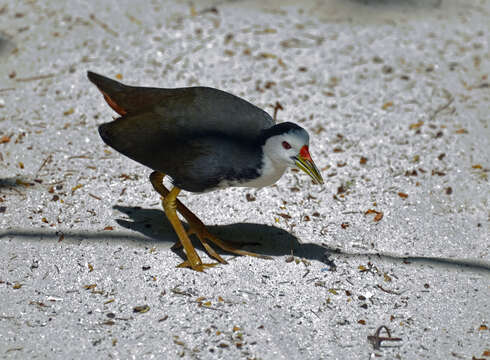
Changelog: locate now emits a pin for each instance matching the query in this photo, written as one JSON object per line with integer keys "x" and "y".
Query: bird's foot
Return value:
{"x": 197, "y": 267}
{"x": 203, "y": 235}
{"x": 199, "y": 229}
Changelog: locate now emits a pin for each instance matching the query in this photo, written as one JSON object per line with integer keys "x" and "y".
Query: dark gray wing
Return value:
{"x": 148, "y": 141}
{"x": 193, "y": 109}
{"x": 204, "y": 109}
{"x": 196, "y": 162}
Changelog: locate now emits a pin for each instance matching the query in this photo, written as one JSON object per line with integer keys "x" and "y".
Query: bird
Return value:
{"x": 204, "y": 139}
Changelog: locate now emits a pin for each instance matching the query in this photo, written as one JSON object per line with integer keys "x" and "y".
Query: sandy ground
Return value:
{"x": 395, "y": 95}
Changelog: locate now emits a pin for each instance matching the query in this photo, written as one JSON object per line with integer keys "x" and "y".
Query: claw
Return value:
{"x": 203, "y": 234}
{"x": 196, "y": 267}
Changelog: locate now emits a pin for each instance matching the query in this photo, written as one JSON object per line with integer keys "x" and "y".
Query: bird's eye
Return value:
{"x": 286, "y": 145}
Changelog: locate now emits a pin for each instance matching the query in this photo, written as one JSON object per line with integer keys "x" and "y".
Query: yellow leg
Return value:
{"x": 169, "y": 205}
{"x": 156, "y": 179}
{"x": 197, "y": 227}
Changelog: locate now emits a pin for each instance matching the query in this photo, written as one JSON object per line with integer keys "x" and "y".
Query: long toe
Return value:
{"x": 196, "y": 267}
{"x": 202, "y": 233}
{"x": 232, "y": 248}
{"x": 206, "y": 245}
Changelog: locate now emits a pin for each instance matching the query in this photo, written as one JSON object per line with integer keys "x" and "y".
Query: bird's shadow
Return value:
{"x": 258, "y": 238}
{"x": 412, "y": 4}
{"x": 273, "y": 241}
{"x": 153, "y": 226}
{"x": 6, "y": 44}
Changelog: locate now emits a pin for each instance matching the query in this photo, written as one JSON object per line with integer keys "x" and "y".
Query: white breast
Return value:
{"x": 270, "y": 173}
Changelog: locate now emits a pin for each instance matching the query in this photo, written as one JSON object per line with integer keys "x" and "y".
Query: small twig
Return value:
{"x": 17, "y": 191}
{"x": 34, "y": 78}
{"x": 79, "y": 157}
{"x": 376, "y": 340}
{"x": 248, "y": 292}
{"x": 387, "y": 290}
{"x": 314, "y": 313}
{"x": 103, "y": 25}
{"x": 211, "y": 308}
{"x": 277, "y": 107}
{"x": 212, "y": 9}
{"x": 48, "y": 159}
{"x": 180, "y": 292}
{"x": 94, "y": 196}
{"x": 442, "y": 108}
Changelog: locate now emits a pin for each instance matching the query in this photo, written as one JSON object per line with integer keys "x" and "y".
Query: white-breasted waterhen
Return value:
{"x": 204, "y": 139}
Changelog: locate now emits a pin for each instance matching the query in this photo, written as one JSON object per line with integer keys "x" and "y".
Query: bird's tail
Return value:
{"x": 112, "y": 90}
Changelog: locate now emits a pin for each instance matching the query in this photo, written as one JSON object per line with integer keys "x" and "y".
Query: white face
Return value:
{"x": 283, "y": 148}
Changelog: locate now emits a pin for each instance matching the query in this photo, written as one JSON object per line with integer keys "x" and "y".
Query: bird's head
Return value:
{"x": 287, "y": 144}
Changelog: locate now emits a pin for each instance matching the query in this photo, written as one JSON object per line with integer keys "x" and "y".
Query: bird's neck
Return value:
{"x": 269, "y": 173}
